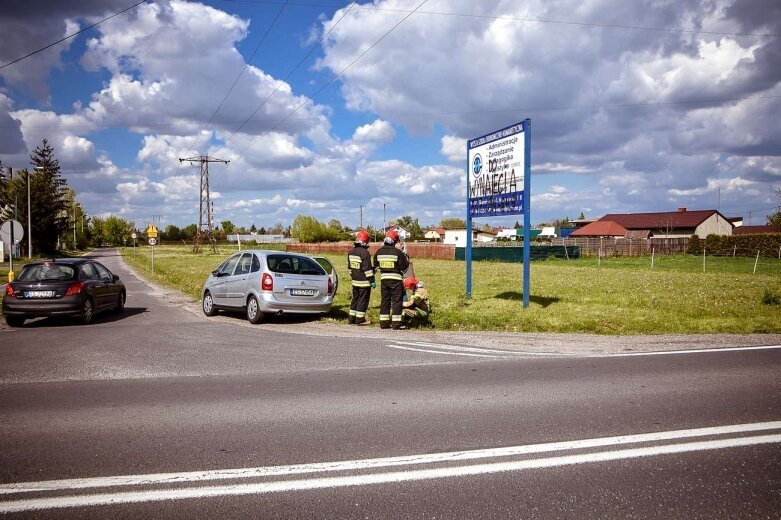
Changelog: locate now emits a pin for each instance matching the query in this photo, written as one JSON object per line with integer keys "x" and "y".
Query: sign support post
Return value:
{"x": 527, "y": 199}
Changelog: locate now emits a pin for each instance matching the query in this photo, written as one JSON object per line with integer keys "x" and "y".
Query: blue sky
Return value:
{"x": 635, "y": 106}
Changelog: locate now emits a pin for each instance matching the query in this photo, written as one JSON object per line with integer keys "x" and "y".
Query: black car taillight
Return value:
{"x": 74, "y": 289}
{"x": 330, "y": 286}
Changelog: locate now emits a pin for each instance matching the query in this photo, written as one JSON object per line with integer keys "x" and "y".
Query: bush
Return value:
{"x": 695, "y": 246}
{"x": 770, "y": 298}
{"x": 767, "y": 244}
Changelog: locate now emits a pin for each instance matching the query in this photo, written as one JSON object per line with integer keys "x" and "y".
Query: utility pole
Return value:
{"x": 361, "y": 226}
{"x": 205, "y": 230}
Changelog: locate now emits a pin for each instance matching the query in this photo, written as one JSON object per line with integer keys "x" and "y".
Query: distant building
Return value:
{"x": 458, "y": 236}
{"x": 753, "y": 230}
{"x": 403, "y": 233}
{"x": 510, "y": 233}
{"x": 436, "y": 234}
{"x": 670, "y": 224}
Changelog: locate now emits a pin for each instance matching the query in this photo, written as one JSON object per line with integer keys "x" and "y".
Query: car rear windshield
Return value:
{"x": 48, "y": 272}
{"x": 293, "y": 265}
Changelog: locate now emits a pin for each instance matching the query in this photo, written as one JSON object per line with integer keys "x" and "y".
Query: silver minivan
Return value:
{"x": 270, "y": 282}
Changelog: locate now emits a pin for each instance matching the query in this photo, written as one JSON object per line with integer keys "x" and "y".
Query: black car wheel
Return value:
{"x": 208, "y": 304}
{"x": 14, "y": 321}
{"x": 254, "y": 314}
{"x": 87, "y": 311}
{"x": 120, "y": 303}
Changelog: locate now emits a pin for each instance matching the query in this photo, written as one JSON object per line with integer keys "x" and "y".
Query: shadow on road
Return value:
{"x": 103, "y": 317}
{"x": 517, "y": 296}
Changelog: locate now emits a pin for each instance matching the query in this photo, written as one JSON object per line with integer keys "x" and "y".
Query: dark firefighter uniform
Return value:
{"x": 359, "y": 262}
{"x": 391, "y": 264}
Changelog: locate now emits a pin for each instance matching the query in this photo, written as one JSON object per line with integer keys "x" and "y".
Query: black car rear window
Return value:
{"x": 293, "y": 265}
{"x": 48, "y": 272}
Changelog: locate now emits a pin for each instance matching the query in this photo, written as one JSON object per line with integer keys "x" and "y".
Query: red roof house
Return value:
{"x": 600, "y": 228}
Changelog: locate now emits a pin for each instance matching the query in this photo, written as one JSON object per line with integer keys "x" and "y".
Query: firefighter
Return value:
{"x": 416, "y": 305}
{"x": 359, "y": 262}
{"x": 391, "y": 263}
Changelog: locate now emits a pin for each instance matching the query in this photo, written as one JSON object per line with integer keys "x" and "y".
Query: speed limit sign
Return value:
{"x": 152, "y": 241}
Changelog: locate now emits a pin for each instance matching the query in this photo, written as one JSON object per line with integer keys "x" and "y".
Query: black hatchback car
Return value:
{"x": 71, "y": 287}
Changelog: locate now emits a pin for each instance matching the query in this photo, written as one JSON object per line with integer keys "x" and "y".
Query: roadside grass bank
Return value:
{"x": 617, "y": 297}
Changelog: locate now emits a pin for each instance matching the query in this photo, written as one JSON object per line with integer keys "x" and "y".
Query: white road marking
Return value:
{"x": 379, "y": 478}
{"x": 419, "y": 349}
{"x": 384, "y": 462}
{"x": 478, "y": 349}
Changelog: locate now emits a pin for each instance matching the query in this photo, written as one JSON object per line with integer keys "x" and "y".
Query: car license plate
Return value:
{"x": 302, "y": 292}
{"x": 39, "y": 294}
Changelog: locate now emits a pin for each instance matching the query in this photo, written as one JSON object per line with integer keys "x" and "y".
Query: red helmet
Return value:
{"x": 362, "y": 237}
{"x": 411, "y": 282}
{"x": 392, "y": 235}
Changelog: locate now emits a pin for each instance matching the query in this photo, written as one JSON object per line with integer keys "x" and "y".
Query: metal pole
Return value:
{"x": 756, "y": 262}
{"x": 734, "y": 249}
{"x": 29, "y": 221}
{"x": 74, "y": 221}
{"x": 703, "y": 259}
{"x": 653, "y": 250}
{"x": 153, "y": 259}
{"x": 527, "y": 198}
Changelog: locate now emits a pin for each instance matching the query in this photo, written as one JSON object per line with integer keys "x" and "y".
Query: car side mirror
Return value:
{"x": 116, "y": 278}
{"x": 216, "y": 273}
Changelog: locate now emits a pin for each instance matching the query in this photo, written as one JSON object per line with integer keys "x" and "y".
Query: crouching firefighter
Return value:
{"x": 391, "y": 263}
{"x": 359, "y": 262}
{"x": 416, "y": 306}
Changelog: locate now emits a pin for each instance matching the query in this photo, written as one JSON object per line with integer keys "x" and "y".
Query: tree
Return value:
{"x": 517, "y": 225}
{"x": 581, "y": 216}
{"x": 452, "y": 223}
{"x": 49, "y": 204}
{"x": 277, "y": 229}
{"x": 308, "y": 229}
{"x": 117, "y": 230}
{"x": 262, "y": 231}
{"x": 253, "y": 229}
{"x": 774, "y": 219}
{"x": 97, "y": 231}
{"x": 172, "y": 233}
{"x": 227, "y": 226}
{"x": 189, "y": 231}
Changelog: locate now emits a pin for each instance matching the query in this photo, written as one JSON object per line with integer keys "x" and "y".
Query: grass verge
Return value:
{"x": 617, "y": 297}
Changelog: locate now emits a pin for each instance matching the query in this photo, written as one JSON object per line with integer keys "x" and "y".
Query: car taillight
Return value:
{"x": 267, "y": 282}
{"x": 9, "y": 291}
{"x": 330, "y": 286}
{"x": 74, "y": 289}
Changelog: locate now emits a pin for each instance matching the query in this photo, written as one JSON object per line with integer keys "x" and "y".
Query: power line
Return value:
{"x": 246, "y": 65}
{"x": 430, "y": 114}
{"x": 73, "y": 34}
{"x": 280, "y": 82}
{"x": 524, "y": 20}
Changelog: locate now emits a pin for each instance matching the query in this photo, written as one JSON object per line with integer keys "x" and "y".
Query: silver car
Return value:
{"x": 270, "y": 282}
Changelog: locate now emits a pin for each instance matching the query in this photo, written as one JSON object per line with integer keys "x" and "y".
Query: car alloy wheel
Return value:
{"x": 254, "y": 314}
{"x": 87, "y": 311}
{"x": 208, "y": 304}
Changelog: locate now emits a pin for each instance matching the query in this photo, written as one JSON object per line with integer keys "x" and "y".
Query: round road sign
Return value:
{"x": 133, "y": 236}
{"x": 152, "y": 241}
{"x": 5, "y": 231}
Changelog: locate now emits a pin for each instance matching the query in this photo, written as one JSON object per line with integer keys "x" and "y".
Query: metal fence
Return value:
{"x": 625, "y": 246}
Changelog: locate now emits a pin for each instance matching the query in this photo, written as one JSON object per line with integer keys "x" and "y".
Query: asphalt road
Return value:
{"x": 164, "y": 413}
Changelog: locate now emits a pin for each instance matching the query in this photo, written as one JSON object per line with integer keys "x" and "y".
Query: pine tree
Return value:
{"x": 49, "y": 202}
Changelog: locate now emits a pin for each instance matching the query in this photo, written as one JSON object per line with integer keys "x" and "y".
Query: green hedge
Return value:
{"x": 767, "y": 244}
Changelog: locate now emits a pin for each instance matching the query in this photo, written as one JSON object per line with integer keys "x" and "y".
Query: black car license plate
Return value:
{"x": 39, "y": 294}
{"x": 302, "y": 292}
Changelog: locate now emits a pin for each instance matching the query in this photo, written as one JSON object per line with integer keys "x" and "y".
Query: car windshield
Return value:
{"x": 47, "y": 272}
{"x": 293, "y": 265}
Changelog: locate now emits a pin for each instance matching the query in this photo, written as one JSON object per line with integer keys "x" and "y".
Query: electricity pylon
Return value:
{"x": 205, "y": 232}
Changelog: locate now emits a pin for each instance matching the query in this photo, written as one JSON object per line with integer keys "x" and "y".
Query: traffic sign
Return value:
{"x": 133, "y": 236}
{"x": 152, "y": 241}
{"x": 5, "y": 231}
{"x": 151, "y": 231}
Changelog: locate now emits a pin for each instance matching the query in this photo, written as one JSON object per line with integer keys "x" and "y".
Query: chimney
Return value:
{"x": 681, "y": 210}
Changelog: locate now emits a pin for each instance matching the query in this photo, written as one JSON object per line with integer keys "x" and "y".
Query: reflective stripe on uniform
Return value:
{"x": 351, "y": 313}
{"x": 385, "y": 317}
{"x": 391, "y": 276}
{"x": 360, "y": 314}
{"x": 396, "y": 317}
{"x": 369, "y": 274}
{"x": 355, "y": 261}
{"x": 361, "y": 283}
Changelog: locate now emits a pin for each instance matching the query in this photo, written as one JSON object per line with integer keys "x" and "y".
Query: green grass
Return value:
{"x": 621, "y": 296}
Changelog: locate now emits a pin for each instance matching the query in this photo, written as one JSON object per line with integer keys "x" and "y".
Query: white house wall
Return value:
{"x": 714, "y": 225}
